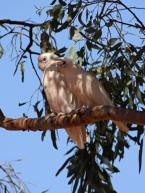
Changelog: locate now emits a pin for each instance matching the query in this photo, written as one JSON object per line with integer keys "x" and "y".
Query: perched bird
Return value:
{"x": 68, "y": 87}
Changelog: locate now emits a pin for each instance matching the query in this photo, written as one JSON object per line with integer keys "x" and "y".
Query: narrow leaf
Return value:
{"x": 43, "y": 135}
{"x": 81, "y": 20}
{"x": 112, "y": 41}
{"x": 140, "y": 155}
{"x": 53, "y": 2}
{"x": 69, "y": 151}
{"x": 22, "y": 71}
{"x": 1, "y": 51}
{"x": 62, "y": 2}
{"x": 75, "y": 185}
{"x": 21, "y": 104}
{"x": 36, "y": 109}
{"x": 53, "y": 138}
{"x": 45, "y": 191}
{"x": 63, "y": 166}
{"x": 61, "y": 50}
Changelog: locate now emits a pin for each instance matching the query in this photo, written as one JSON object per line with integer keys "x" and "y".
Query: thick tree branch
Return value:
{"x": 77, "y": 117}
{"x": 13, "y": 22}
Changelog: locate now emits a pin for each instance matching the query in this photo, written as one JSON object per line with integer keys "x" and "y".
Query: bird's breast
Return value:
{"x": 59, "y": 96}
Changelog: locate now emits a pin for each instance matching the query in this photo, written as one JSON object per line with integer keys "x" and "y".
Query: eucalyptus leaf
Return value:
{"x": 22, "y": 71}
{"x": 72, "y": 53}
{"x": 36, "y": 109}
{"x": 53, "y": 2}
{"x": 112, "y": 41}
{"x": 63, "y": 3}
{"x": 140, "y": 155}
{"x": 63, "y": 166}
{"x": 43, "y": 135}
{"x": 97, "y": 34}
{"x": 1, "y": 51}
{"x": 75, "y": 185}
{"x": 21, "y": 104}
{"x": 53, "y": 139}
{"x": 77, "y": 36}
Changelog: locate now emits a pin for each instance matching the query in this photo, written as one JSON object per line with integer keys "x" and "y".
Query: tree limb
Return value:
{"x": 77, "y": 117}
{"x": 14, "y": 22}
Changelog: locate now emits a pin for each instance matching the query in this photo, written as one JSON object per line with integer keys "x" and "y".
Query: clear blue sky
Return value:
{"x": 39, "y": 160}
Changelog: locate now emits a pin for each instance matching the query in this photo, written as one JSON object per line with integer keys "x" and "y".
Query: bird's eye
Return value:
{"x": 45, "y": 59}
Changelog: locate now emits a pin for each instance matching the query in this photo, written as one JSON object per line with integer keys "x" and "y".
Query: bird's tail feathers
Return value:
{"x": 78, "y": 135}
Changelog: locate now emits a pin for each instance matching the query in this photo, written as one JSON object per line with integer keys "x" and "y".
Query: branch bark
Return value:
{"x": 14, "y": 22}
{"x": 77, "y": 117}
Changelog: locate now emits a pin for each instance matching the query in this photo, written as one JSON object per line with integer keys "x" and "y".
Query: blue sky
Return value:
{"x": 39, "y": 160}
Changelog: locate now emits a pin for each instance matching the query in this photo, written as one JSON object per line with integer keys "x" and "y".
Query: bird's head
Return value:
{"x": 46, "y": 59}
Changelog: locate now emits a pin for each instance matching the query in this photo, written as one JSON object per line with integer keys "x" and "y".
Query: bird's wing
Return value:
{"x": 95, "y": 94}
{"x": 89, "y": 90}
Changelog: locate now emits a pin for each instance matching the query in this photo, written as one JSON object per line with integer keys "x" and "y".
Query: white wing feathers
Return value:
{"x": 87, "y": 88}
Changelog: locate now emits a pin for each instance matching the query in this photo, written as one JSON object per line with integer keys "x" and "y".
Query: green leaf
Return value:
{"x": 1, "y": 51}
{"x": 53, "y": 2}
{"x": 128, "y": 83}
{"x": 97, "y": 34}
{"x": 140, "y": 131}
{"x": 72, "y": 179}
{"x": 81, "y": 52}
{"x": 91, "y": 46}
{"x": 53, "y": 138}
{"x": 109, "y": 24}
{"x": 126, "y": 92}
{"x": 45, "y": 191}
{"x": 22, "y": 71}
{"x": 21, "y": 104}
{"x": 43, "y": 135}
{"x": 87, "y": 14}
{"x": 80, "y": 19}
{"x": 139, "y": 54}
{"x": 69, "y": 151}
{"x": 90, "y": 30}
{"x": 112, "y": 41}
{"x": 56, "y": 10}
{"x": 63, "y": 3}
{"x": 72, "y": 53}
{"x": 5, "y": 189}
{"x": 61, "y": 50}
{"x": 110, "y": 166}
{"x": 101, "y": 175}
{"x": 77, "y": 36}
{"x": 116, "y": 46}
{"x": 64, "y": 165}
{"x": 140, "y": 155}
{"x": 36, "y": 109}
{"x": 63, "y": 26}
{"x": 72, "y": 31}
{"x": 132, "y": 48}
{"x": 75, "y": 185}
{"x": 139, "y": 96}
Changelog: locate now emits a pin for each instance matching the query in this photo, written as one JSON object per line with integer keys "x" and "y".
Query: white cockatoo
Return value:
{"x": 68, "y": 87}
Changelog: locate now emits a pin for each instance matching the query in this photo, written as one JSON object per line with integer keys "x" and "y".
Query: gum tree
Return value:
{"x": 105, "y": 38}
